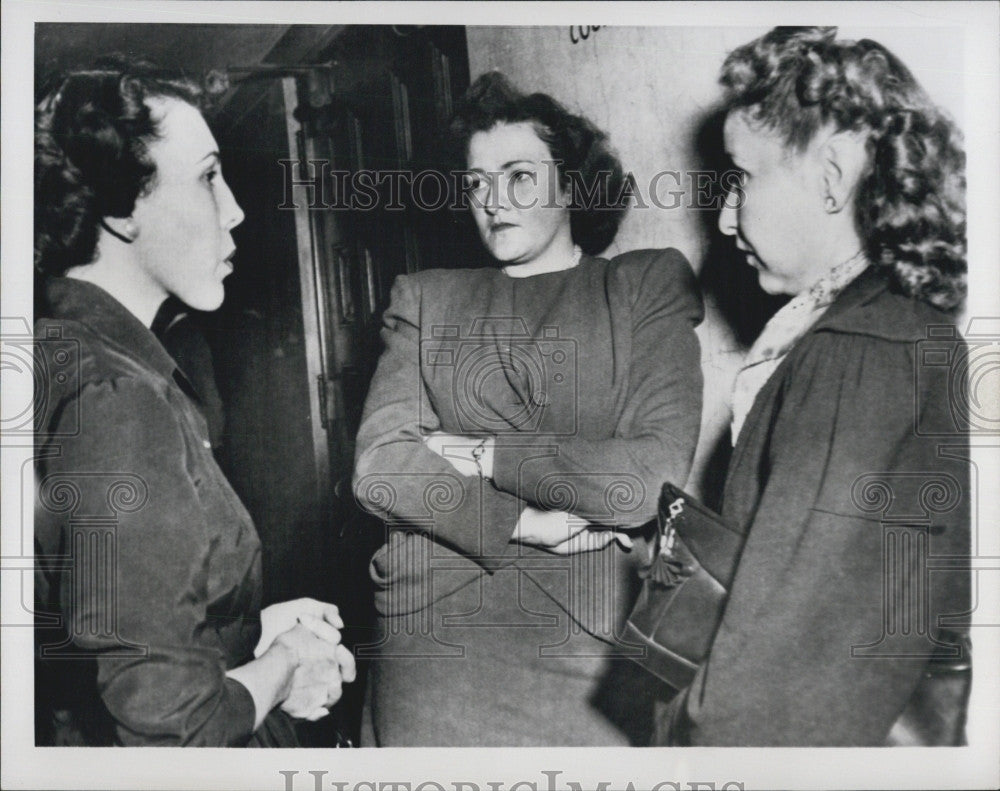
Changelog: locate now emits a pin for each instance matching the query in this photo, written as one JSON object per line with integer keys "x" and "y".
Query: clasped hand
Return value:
{"x": 310, "y": 631}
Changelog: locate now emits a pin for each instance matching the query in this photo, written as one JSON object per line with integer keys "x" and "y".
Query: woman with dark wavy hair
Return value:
{"x": 852, "y": 204}
{"x": 148, "y": 576}
{"x": 517, "y": 431}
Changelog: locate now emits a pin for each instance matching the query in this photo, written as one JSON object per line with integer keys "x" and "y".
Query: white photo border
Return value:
{"x": 27, "y": 766}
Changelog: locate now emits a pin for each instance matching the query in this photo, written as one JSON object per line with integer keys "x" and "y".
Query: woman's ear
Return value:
{"x": 123, "y": 228}
{"x": 844, "y": 157}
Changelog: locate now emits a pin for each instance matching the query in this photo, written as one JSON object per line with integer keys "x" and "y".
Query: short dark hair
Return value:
{"x": 91, "y": 155}
{"x": 598, "y": 200}
{"x": 910, "y": 204}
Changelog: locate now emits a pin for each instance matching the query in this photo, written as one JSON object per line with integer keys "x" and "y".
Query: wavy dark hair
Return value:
{"x": 91, "y": 151}
{"x": 587, "y": 165}
{"x": 910, "y": 202}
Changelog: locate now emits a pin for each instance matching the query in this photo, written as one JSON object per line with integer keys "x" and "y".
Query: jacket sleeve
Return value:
{"x": 397, "y": 477}
{"x": 655, "y": 437}
{"x": 135, "y": 596}
{"x": 811, "y": 649}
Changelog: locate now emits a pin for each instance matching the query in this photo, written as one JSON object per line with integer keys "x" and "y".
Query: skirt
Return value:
{"x": 500, "y": 664}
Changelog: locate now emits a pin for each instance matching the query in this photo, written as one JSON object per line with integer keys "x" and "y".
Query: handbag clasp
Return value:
{"x": 669, "y": 538}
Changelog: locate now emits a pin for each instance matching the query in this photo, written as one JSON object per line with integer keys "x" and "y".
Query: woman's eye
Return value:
{"x": 519, "y": 176}
{"x": 210, "y": 175}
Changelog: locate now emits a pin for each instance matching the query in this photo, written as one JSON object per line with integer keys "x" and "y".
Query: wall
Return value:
{"x": 653, "y": 90}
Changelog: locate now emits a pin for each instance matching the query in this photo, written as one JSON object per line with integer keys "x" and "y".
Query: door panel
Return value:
{"x": 298, "y": 339}
{"x": 264, "y": 348}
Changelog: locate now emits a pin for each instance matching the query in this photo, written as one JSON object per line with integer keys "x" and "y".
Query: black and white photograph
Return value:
{"x": 616, "y": 402}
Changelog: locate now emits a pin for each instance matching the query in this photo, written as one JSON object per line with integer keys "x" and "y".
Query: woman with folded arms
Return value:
{"x": 517, "y": 431}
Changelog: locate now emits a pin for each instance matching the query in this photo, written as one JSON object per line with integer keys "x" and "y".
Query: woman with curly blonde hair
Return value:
{"x": 852, "y": 204}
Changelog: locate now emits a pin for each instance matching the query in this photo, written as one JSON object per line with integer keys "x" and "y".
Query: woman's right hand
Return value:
{"x": 563, "y": 533}
{"x": 302, "y": 671}
{"x": 281, "y": 617}
{"x": 320, "y": 668}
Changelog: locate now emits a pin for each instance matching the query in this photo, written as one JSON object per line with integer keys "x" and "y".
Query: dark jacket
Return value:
{"x": 849, "y": 486}
{"x": 589, "y": 379}
{"x": 147, "y": 583}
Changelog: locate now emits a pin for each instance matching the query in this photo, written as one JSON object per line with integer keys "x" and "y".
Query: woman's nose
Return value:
{"x": 490, "y": 205}
{"x": 727, "y": 217}
{"x": 498, "y": 197}
{"x": 230, "y": 212}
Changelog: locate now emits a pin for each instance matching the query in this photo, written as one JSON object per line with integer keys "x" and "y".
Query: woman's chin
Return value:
{"x": 503, "y": 256}
{"x": 505, "y": 250}
{"x": 770, "y": 284}
{"x": 206, "y": 299}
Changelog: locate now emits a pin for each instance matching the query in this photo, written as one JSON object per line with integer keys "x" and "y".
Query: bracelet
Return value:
{"x": 477, "y": 455}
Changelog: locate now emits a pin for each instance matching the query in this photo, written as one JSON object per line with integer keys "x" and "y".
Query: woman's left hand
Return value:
{"x": 457, "y": 450}
{"x": 324, "y": 621}
{"x": 591, "y": 541}
{"x": 563, "y": 533}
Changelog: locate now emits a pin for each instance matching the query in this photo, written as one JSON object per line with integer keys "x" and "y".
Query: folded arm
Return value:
{"x": 617, "y": 480}
{"x": 402, "y": 480}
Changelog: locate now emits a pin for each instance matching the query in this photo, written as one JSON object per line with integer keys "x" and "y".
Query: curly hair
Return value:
{"x": 91, "y": 151}
{"x": 587, "y": 165}
{"x": 910, "y": 201}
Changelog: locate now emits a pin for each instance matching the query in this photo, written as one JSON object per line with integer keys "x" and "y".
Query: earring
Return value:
{"x": 830, "y": 203}
{"x": 131, "y": 229}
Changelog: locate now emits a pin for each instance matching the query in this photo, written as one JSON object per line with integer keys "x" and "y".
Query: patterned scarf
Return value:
{"x": 783, "y": 330}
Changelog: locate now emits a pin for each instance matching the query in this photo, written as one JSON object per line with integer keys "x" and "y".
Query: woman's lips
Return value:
{"x": 501, "y": 226}
{"x": 752, "y": 259}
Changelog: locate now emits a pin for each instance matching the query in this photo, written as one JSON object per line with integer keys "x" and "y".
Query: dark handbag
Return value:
{"x": 683, "y": 596}
{"x": 681, "y": 601}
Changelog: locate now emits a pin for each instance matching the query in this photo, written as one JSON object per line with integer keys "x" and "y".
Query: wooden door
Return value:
{"x": 298, "y": 339}
{"x": 380, "y": 117}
